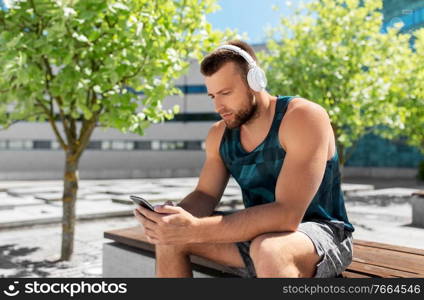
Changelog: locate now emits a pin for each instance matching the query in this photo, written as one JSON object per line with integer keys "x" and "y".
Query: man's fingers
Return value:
{"x": 150, "y": 233}
{"x": 153, "y": 216}
{"x": 152, "y": 240}
{"x": 167, "y": 209}
{"x": 143, "y": 220}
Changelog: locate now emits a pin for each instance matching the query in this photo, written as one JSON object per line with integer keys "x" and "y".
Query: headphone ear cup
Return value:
{"x": 261, "y": 78}
{"x": 257, "y": 79}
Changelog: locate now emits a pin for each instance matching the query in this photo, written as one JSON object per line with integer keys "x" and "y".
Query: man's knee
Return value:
{"x": 264, "y": 247}
{"x": 269, "y": 259}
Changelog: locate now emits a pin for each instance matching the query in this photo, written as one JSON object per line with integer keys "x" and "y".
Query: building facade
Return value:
{"x": 409, "y": 12}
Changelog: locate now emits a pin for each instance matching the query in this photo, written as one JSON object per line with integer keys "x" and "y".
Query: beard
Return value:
{"x": 245, "y": 114}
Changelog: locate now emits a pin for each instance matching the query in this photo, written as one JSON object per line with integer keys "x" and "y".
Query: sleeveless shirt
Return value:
{"x": 257, "y": 171}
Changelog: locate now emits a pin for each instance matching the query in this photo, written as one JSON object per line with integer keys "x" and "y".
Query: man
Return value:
{"x": 281, "y": 151}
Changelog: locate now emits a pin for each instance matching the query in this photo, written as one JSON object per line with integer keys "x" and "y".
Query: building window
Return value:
{"x": 3, "y": 145}
{"x": 166, "y": 145}
{"x": 155, "y": 145}
{"x": 142, "y": 145}
{"x": 20, "y": 145}
{"x": 55, "y": 145}
{"x": 120, "y": 145}
{"x": 193, "y": 145}
{"x": 94, "y": 145}
{"x": 106, "y": 145}
{"x": 42, "y": 144}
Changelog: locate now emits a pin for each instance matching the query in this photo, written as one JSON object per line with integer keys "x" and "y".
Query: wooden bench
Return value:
{"x": 370, "y": 259}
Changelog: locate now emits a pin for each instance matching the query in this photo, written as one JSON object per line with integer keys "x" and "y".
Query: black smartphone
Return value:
{"x": 142, "y": 202}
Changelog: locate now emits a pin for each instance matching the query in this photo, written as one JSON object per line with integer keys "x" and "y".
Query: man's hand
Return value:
{"x": 168, "y": 224}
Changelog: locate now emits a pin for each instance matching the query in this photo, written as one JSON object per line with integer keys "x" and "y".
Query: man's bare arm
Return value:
{"x": 298, "y": 182}
{"x": 198, "y": 204}
{"x": 212, "y": 180}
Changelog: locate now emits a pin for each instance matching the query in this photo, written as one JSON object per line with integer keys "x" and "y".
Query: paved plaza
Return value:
{"x": 30, "y": 216}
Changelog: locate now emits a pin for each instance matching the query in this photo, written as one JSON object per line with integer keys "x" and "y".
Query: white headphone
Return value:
{"x": 256, "y": 77}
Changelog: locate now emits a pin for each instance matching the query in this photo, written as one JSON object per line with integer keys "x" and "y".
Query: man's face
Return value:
{"x": 233, "y": 99}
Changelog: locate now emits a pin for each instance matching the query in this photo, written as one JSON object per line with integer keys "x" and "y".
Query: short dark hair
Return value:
{"x": 216, "y": 59}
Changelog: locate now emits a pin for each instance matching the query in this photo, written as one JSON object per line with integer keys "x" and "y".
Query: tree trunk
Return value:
{"x": 70, "y": 189}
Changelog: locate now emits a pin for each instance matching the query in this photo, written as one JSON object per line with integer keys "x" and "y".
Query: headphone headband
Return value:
{"x": 240, "y": 51}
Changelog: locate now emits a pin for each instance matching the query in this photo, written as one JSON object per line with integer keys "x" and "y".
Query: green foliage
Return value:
{"x": 75, "y": 58}
{"x": 413, "y": 105}
{"x": 336, "y": 55}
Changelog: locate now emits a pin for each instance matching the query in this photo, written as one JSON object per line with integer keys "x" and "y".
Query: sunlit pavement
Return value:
{"x": 30, "y": 213}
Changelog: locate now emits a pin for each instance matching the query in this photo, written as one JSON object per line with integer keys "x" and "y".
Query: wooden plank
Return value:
{"x": 389, "y": 258}
{"x": 379, "y": 271}
{"x": 132, "y": 236}
{"x": 353, "y": 274}
{"x": 389, "y": 247}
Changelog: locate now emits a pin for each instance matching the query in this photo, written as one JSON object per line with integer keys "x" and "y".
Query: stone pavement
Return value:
{"x": 39, "y": 202}
{"x": 29, "y": 250}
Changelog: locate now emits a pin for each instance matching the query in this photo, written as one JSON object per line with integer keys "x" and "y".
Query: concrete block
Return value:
{"x": 123, "y": 261}
{"x": 379, "y": 172}
{"x": 417, "y": 211}
{"x": 48, "y": 197}
{"x": 382, "y": 196}
{"x": 99, "y": 196}
{"x": 9, "y": 202}
{"x": 128, "y": 262}
{"x": 35, "y": 189}
{"x": 52, "y": 213}
{"x": 350, "y": 187}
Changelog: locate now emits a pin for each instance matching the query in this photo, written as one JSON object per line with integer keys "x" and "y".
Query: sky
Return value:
{"x": 251, "y": 16}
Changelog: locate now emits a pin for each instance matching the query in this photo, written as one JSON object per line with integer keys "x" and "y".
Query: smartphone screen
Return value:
{"x": 142, "y": 202}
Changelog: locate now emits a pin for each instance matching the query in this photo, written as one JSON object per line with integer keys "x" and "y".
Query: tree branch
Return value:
{"x": 87, "y": 128}
{"x": 16, "y": 121}
{"x": 53, "y": 124}
{"x": 56, "y": 99}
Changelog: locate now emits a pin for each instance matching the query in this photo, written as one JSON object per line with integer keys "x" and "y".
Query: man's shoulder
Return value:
{"x": 219, "y": 125}
{"x": 215, "y": 135}
{"x": 217, "y": 129}
{"x": 301, "y": 111}
{"x": 300, "y": 105}
{"x": 302, "y": 116}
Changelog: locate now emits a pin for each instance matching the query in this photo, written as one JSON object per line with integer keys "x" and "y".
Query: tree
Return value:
{"x": 69, "y": 62}
{"x": 414, "y": 127}
{"x": 412, "y": 130}
{"x": 335, "y": 54}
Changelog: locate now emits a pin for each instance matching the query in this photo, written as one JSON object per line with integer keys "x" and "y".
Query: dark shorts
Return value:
{"x": 332, "y": 242}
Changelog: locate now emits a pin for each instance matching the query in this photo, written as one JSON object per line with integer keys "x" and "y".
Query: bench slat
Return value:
{"x": 388, "y": 246}
{"x": 353, "y": 274}
{"x": 132, "y": 236}
{"x": 379, "y": 271}
{"x": 389, "y": 258}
